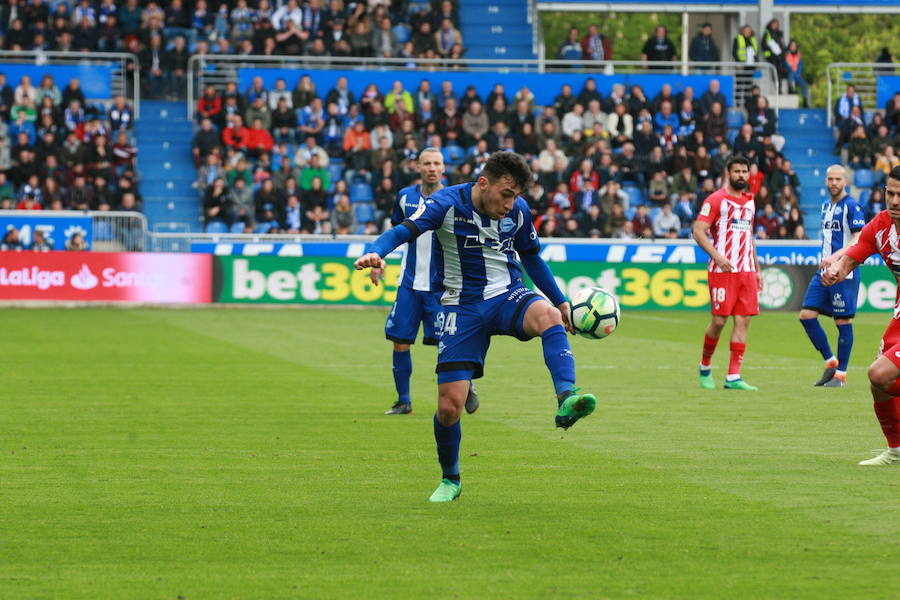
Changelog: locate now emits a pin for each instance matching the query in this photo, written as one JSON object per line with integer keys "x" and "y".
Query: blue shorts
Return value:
{"x": 411, "y": 308}
{"x": 466, "y": 330}
{"x": 838, "y": 300}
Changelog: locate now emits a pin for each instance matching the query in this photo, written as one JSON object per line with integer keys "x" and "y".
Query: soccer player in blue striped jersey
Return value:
{"x": 842, "y": 220}
{"x": 480, "y": 230}
{"x": 417, "y": 299}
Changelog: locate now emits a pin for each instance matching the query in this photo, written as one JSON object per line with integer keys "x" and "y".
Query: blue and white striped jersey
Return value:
{"x": 417, "y": 267}
{"x": 839, "y": 222}
{"x": 476, "y": 256}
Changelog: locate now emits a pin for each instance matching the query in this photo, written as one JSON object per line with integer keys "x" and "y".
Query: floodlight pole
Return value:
{"x": 765, "y": 15}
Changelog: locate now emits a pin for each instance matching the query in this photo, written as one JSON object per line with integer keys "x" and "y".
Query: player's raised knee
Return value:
{"x": 882, "y": 376}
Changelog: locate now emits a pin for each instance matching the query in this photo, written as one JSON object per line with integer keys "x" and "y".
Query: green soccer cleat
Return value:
{"x": 447, "y": 491}
{"x": 574, "y": 406}
{"x": 886, "y": 458}
{"x": 740, "y": 384}
{"x": 707, "y": 382}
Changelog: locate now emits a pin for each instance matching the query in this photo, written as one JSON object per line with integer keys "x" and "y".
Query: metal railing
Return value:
{"x": 863, "y": 76}
{"x": 218, "y": 69}
{"x": 111, "y": 231}
{"x": 181, "y": 242}
{"x": 125, "y": 82}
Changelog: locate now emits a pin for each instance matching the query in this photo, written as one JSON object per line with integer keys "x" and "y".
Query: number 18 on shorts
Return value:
{"x": 733, "y": 294}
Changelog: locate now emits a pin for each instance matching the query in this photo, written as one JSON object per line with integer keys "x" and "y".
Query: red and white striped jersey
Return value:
{"x": 880, "y": 237}
{"x": 731, "y": 227}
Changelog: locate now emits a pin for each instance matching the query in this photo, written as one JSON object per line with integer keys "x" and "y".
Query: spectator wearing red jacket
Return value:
{"x": 259, "y": 140}
{"x": 585, "y": 174}
{"x": 235, "y": 135}
{"x": 209, "y": 105}
{"x": 767, "y": 220}
{"x": 595, "y": 45}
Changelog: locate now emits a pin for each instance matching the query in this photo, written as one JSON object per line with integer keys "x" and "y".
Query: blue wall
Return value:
{"x": 96, "y": 80}
{"x": 888, "y": 85}
{"x": 545, "y": 87}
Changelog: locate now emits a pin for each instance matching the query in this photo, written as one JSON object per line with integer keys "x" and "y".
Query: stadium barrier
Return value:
{"x": 737, "y": 79}
{"x": 103, "y": 231}
{"x": 875, "y": 83}
{"x": 331, "y": 280}
{"x": 102, "y": 74}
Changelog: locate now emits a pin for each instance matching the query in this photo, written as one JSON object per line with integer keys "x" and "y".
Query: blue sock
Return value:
{"x": 845, "y": 345}
{"x": 817, "y": 337}
{"x": 558, "y": 358}
{"x": 447, "y": 440}
{"x": 402, "y": 371}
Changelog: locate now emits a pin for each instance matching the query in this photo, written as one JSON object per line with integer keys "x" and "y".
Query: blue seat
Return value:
{"x": 361, "y": 192}
{"x": 735, "y": 118}
{"x": 335, "y": 172}
{"x": 263, "y": 228}
{"x": 365, "y": 212}
{"x": 237, "y": 227}
{"x": 863, "y": 178}
{"x": 629, "y": 214}
{"x": 654, "y": 211}
{"x": 402, "y": 33}
{"x": 863, "y": 198}
{"x": 635, "y": 195}
{"x": 216, "y": 227}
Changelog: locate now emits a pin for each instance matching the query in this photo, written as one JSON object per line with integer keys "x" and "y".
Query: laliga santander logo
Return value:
{"x": 84, "y": 279}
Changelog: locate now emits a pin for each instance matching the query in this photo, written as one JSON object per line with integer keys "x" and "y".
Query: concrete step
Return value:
{"x": 499, "y": 50}
{"x": 491, "y": 31}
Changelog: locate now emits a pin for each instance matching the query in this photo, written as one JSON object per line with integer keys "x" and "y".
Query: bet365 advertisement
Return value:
{"x": 106, "y": 277}
{"x": 333, "y": 280}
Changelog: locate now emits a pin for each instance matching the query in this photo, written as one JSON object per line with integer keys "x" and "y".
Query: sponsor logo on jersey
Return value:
{"x": 418, "y": 212}
{"x": 740, "y": 225}
{"x": 706, "y": 209}
{"x": 507, "y": 224}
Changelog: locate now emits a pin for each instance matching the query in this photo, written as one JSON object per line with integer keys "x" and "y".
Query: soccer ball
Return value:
{"x": 595, "y": 313}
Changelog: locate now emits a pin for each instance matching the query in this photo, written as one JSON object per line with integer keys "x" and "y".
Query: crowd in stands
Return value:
{"x": 59, "y": 152}
{"x": 300, "y": 159}
{"x": 870, "y": 146}
{"x": 164, "y": 35}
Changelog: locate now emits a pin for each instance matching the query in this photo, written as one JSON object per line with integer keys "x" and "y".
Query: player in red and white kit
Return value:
{"x": 881, "y": 236}
{"x": 734, "y": 276}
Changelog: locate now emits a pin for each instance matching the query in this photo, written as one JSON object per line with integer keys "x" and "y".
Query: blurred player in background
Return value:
{"x": 734, "y": 276}
{"x": 842, "y": 220}
{"x": 881, "y": 237}
{"x": 417, "y": 298}
{"x": 479, "y": 230}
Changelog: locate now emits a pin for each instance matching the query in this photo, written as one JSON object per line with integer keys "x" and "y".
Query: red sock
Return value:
{"x": 737, "y": 357}
{"x": 887, "y": 414}
{"x": 709, "y": 346}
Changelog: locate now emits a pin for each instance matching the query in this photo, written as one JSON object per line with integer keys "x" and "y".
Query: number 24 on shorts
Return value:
{"x": 446, "y": 323}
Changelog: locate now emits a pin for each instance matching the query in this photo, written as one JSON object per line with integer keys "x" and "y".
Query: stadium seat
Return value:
{"x": 654, "y": 211}
{"x": 335, "y": 172}
{"x": 237, "y": 227}
{"x": 635, "y": 196}
{"x": 864, "y": 197}
{"x": 365, "y": 212}
{"x": 402, "y": 33}
{"x": 863, "y": 178}
{"x": 735, "y": 118}
{"x": 262, "y": 228}
{"x": 361, "y": 192}
{"x": 216, "y": 227}
{"x": 629, "y": 214}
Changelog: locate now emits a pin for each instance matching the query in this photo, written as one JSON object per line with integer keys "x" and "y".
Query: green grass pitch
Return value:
{"x": 244, "y": 454}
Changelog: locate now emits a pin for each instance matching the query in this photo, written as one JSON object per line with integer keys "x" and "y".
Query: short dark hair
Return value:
{"x": 895, "y": 173}
{"x": 510, "y": 164}
{"x": 737, "y": 160}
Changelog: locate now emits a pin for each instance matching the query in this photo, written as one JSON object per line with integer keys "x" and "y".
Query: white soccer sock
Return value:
{"x": 732, "y": 377}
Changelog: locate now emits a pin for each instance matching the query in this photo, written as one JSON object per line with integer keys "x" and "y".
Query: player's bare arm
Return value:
{"x": 830, "y": 260}
{"x": 838, "y": 271}
{"x": 700, "y": 232}
{"x": 759, "y": 277}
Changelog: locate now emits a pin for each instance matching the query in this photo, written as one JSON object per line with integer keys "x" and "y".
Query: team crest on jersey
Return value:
{"x": 418, "y": 212}
{"x": 507, "y": 224}
{"x": 705, "y": 210}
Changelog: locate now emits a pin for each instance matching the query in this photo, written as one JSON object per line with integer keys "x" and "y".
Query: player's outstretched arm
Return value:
{"x": 382, "y": 246}
{"x": 838, "y": 270}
